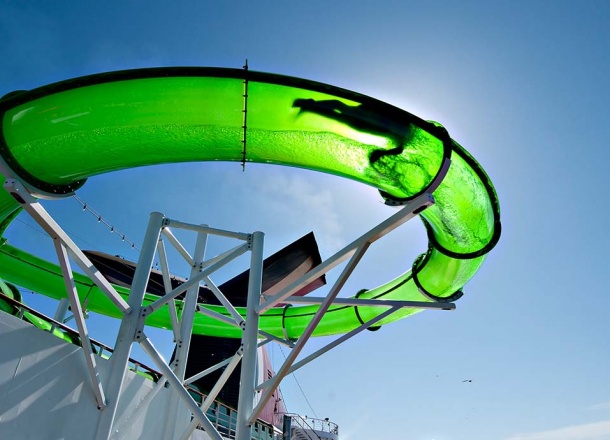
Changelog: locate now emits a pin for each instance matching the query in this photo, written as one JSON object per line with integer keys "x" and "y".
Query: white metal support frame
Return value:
{"x": 200, "y": 272}
{"x": 134, "y": 314}
{"x": 108, "y": 394}
{"x": 354, "y": 252}
{"x": 178, "y": 366}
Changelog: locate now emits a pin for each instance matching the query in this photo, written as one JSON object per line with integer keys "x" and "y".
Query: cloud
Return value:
{"x": 295, "y": 200}
{"x": 599, "y": 406}
{"x": 589, "y": 431}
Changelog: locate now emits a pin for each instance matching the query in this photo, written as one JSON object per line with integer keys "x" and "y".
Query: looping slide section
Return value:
{"x": 58, "y": 136}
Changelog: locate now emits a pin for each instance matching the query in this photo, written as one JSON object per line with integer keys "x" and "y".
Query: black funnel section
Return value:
{"x": 279, "y": 270}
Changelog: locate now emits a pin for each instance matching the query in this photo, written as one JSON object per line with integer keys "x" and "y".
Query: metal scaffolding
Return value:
{"x": 185, "y": 413}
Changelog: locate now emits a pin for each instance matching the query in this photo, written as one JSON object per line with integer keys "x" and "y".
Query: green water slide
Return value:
{"x": 57, "y": 136}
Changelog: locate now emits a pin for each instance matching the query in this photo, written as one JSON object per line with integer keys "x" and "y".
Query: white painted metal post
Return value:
{"x": 167, "y": 284}
{"x": 98, "y": 389}
{"x": 173, "y": 426}
{"x": 129, "y": 326}
{"x": 62, "y": 310}
{"x": 247, "y": 387}
{"x": 188, "y": 312}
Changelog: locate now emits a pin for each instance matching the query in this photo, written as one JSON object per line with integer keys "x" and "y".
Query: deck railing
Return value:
{"x": 311, "y": 428}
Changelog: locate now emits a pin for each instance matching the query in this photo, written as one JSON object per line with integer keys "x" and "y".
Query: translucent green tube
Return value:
{"x": 57, "y": 136}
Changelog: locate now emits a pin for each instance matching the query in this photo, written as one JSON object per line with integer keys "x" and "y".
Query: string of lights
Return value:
{"x": 102, "y": 220}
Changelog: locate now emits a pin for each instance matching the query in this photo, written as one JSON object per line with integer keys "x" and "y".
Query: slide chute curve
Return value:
{"x": 55, "y": 137}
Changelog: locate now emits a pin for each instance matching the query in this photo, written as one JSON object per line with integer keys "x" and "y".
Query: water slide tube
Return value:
{"x": 57, "y": 136}
{"x": 10, "y": 291}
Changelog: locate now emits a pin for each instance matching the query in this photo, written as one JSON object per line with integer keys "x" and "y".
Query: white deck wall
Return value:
{"x": 45, "y": 391}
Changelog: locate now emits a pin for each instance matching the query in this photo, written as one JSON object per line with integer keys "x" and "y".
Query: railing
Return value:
{"x": 310, "y": 425}
{"x": 73, "y": 336}
{"x": 223, "y": 417}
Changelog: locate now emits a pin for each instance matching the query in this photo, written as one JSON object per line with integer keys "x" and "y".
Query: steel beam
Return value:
{"x": 247, "y": 387}
{"x": 119, "y": 361}
{"x": 64, "y": 263}
{"x": 167, "y": 285}
{"x": 178, "y": 366}
{"x": 372, "y": 302}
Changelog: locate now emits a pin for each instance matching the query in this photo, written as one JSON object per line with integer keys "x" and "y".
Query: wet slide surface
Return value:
{"x": 57, "y": 136}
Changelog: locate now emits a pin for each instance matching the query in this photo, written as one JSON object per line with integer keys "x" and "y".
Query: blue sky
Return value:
{"x": 522, "y": 85}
